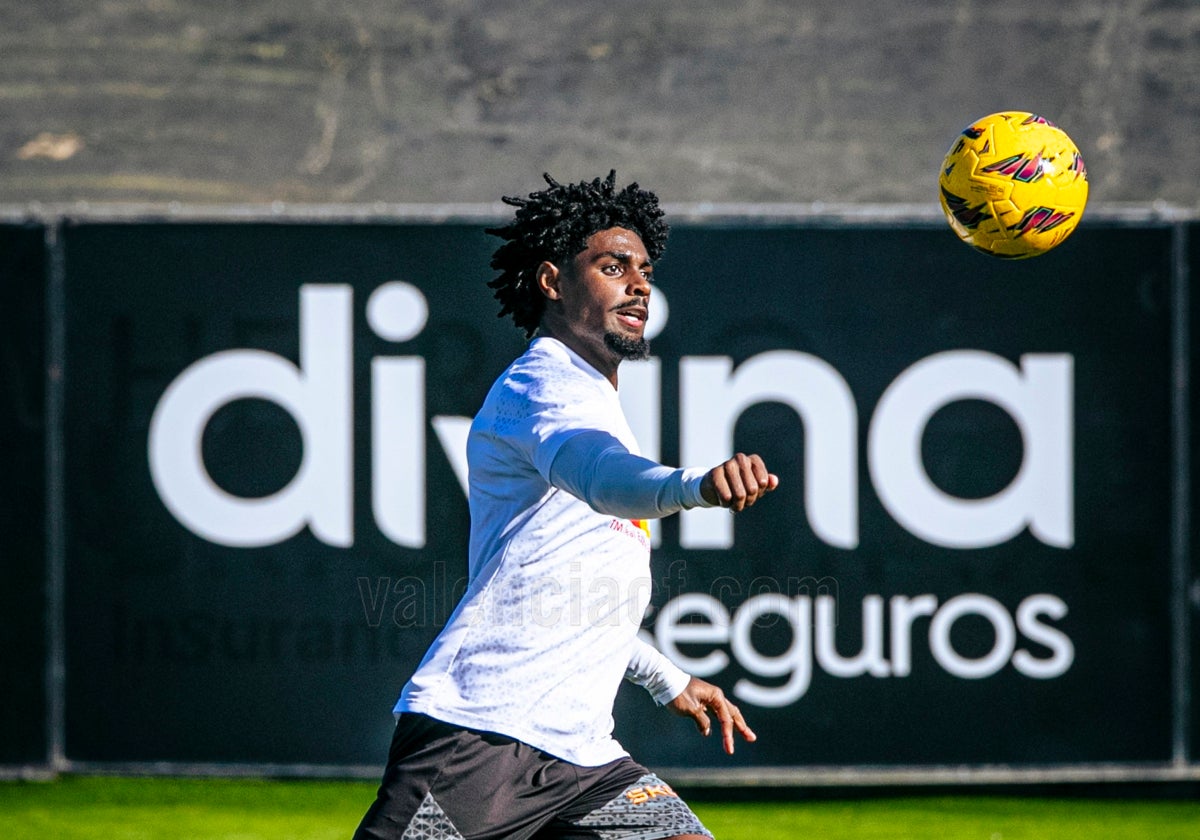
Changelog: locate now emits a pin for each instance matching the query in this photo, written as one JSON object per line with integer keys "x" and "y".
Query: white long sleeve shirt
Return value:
{"x": 559, "y": 565}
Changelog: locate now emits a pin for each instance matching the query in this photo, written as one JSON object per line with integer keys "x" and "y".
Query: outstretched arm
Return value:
{"x": 596, "y": 467}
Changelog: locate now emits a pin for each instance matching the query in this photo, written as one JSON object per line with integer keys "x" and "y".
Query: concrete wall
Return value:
{"x": 465, "y": 100}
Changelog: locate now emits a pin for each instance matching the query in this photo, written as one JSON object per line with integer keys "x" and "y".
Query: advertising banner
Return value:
{"x": 1191, "y": 600}
{"x": 23, "y": 650}
{"x": 968, "y": 560}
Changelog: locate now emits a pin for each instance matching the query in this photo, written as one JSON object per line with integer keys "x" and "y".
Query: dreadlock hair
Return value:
{"x": 554, "y": 224}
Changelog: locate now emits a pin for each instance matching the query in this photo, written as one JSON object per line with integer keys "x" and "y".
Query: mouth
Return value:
{"x": 633, "y": 316}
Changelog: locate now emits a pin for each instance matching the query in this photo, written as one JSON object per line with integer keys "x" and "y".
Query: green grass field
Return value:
{"x": 104, "y": 808}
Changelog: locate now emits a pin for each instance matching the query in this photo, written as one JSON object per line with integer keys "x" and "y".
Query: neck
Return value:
{"x": 604, "y": 362}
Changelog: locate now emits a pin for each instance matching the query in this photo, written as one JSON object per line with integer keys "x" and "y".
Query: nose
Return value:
{"x": 639, "y": 285}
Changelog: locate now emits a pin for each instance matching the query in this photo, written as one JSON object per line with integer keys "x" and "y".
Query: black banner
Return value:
{"x": 190, "y": 648}
{"x": 968, "y": 561}
{"x": 23, "y": 494}
{"x": 1191, "y": 597}
{"x": 997, "y": 648}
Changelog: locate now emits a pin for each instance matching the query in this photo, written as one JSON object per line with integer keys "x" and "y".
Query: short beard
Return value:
{"x": 632, "y": 349}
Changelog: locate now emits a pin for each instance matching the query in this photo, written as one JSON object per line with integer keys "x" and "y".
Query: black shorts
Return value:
{"x": 443, "y": 782}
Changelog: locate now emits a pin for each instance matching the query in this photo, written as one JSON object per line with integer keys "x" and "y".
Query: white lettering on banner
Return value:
{"x": 904, "y": 611}
{"x": 670, "y": 632}
{"x": 318, "y": 394}
{"x": 1002, "y": 626}
{"x": 713, "y": 396}
{"x": 816, "y": 639}
{"x": 796, "y": 661}
{"x": 870, "y": 660}
{"x": 1037, "y": 397}
{"x": 397, "y": 312}
{"x": 1057, "y": 642}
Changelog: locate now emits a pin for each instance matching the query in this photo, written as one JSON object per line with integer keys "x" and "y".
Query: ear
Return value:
{"x": 547, "y": 279}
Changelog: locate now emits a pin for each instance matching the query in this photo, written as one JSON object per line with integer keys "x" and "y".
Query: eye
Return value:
{"x": 612, "y": 269}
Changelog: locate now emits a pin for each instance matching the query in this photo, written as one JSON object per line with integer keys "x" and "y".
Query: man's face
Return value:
{"x": 604, "y": 298}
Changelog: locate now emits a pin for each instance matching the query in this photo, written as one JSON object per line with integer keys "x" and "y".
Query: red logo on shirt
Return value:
{"x": 639, "y": 529}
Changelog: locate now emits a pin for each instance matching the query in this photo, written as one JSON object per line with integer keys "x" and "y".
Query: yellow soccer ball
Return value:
{"x": 1013, "y": 185}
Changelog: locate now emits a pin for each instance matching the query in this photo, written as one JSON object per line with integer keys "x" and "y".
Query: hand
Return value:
{"x": 738, "y": 483}
{"x": 699, "y": 696}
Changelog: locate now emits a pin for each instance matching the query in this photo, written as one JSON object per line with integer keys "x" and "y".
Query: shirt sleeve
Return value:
{"x": 654, "y": 672}
{"x": 597, "y": 468}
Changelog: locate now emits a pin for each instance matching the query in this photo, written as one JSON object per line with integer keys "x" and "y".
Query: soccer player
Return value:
{"x": 505, "y": 729}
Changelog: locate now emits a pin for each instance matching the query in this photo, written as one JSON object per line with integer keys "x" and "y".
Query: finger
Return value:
{"x": 702, "y": 721}
{"x": 761, "y": 476}
{"x": 737, "y": 488}
{"x": 742, "y": 726}
{"x": 753, "y": 475}
{"x": 720, "y": 486}
{"x": 722, "y": 709}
